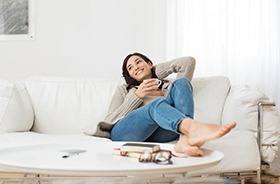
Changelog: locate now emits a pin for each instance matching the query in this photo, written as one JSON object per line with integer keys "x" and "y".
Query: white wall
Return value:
{"x": 86, "y": 38}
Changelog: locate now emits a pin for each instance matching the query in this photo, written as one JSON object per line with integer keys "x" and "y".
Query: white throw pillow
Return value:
{"x": 242, "y": 106}
{"x": 69, "y": 105}
{"x": 274, "y": 166}
{"x": 16, "y": 112}
{"x": 209, "y": 97}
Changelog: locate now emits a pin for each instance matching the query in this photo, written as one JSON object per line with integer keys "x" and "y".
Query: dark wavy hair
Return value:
{"x": 129, "y": 80}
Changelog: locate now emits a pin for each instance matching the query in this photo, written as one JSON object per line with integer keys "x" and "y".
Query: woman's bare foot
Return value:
{"x": 198, "y": 133}
{"x": 182, "y": 146}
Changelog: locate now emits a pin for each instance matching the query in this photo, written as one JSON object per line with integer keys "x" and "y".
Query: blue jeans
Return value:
{"x": 157, "y": 121}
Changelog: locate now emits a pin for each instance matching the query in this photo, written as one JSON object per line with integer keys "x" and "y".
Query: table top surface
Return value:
{"x": 96, "y": 159}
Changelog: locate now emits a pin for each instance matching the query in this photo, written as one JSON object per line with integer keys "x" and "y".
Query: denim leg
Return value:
{"x": 157, "y": 121}
{"x": 162, "y": 135}
{"x": 141, "y": 123}
{"x": 134, "y": 127}
{"x": 181, "y": 97}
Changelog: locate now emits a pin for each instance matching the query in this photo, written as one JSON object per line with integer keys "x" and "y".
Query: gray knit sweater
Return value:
{"x": 124, "y": 101}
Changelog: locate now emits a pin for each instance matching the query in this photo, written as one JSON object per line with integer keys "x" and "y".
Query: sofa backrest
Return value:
{"x": 75, "y": 105}
{"x": 210, "y": 94}
{"x": 69, "y": 105}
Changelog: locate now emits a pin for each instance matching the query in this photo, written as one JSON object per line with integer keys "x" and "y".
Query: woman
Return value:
{"x": 141, "y": 110}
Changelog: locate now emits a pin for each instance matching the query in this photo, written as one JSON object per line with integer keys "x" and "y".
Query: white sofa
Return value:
{"x": 44, "y": 109}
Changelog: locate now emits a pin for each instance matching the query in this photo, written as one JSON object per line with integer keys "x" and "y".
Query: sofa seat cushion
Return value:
{"x": 241, "y": 153}
{"x": 238, "y": 155}
{"x": 69, "y": 105}
{"x": 16, "y": 111}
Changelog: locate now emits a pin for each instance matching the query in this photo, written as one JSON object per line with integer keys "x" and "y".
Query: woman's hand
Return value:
{"x": 147, "y": 88}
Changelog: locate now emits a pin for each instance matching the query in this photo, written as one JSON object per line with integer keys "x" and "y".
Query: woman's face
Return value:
{"x": 138, "y": 68}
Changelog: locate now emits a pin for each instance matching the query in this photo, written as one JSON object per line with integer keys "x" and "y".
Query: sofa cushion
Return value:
{"x": 16, "y": 112}
{"x": 209, "y": 97}
{"x": 241, "y": 153}
{"x": 69, "y": 105}
{"x": 242, "y": 106}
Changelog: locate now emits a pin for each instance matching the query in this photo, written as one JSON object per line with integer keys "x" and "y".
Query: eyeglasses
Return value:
{"x": 161, "y": 157}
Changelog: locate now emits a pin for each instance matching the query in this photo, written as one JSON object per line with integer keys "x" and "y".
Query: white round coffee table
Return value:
{"x": 96, "y": 160}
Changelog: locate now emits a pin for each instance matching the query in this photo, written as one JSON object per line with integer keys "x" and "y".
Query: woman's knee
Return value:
{"x": 183, "y": 82}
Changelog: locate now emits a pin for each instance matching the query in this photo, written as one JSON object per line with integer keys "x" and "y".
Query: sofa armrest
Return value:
{"x": 242, "y": 106}
{"x": 262, "y": 105}
{"x": 16, "y": 111}
{"x": 260, "y": 132}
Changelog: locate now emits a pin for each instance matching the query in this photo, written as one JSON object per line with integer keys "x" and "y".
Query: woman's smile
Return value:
{"x": 139, "y": 72}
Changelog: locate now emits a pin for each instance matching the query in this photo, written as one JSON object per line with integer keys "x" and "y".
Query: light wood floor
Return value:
{"x": 268, "y": 179}
{"x": 265, "y": 179}
{"x": 19, "y": 178}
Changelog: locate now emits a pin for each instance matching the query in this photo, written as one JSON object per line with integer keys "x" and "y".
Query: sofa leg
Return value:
{"x": 259, "y": 176}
